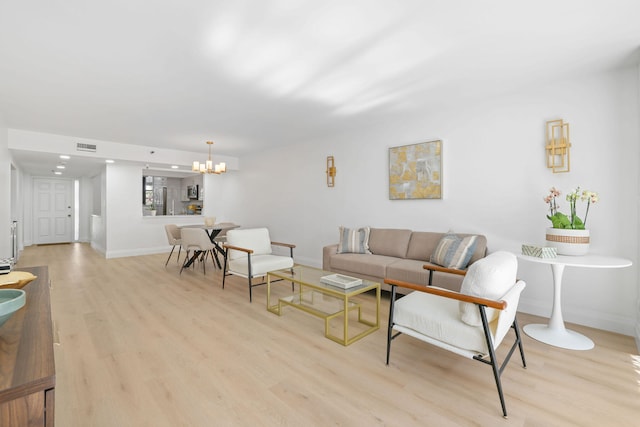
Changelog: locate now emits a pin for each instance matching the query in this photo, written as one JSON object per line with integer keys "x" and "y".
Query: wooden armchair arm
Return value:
{"x": 444, "y": 269}
{"x": 288, "y": 245}
{"x": 500, "y": 305}
{"x": 237, "y": 248}
{"x": 432, "y": 268}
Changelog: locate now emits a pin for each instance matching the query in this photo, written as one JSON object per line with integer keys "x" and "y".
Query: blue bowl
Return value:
{"x": 11, "y": 300}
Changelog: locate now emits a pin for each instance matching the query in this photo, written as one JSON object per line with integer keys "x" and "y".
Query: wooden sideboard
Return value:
{"x": 27, "y": 368}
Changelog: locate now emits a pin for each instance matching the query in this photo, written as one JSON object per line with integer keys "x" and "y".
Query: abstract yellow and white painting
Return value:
{"x": 415, "y": 171}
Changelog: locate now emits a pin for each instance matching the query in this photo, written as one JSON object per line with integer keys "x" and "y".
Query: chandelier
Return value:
{"x": 208, "y": 167}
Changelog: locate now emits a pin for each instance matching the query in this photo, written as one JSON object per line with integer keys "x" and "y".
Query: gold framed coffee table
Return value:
{"x": 325, "y": 301}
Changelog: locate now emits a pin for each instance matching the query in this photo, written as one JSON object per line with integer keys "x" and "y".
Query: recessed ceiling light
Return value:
{"x": 60, "y": 166}
{"x": 58, "y": 173}
{"x": 174, "y": 167}
{"x": 63, "y": 156}
{"x": 109, "y": 161}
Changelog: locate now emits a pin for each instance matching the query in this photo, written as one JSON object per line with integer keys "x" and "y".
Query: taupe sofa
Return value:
{"x": 397, "y": 254}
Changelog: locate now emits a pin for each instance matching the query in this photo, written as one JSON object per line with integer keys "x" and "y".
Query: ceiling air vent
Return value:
{"x": 86, "y": 147}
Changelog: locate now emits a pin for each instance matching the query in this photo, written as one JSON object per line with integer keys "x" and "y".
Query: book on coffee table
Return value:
{"x": 341, "y": 281}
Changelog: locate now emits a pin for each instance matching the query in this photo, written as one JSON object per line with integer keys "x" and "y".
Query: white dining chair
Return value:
{"x": 198, "y": 241}
{"x": 174, "y": 239}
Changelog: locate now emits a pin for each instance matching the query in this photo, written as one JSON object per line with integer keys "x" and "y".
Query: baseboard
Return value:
{"x": 306, "y": 261}
{"x": 605, "y": 321}
{"x": 98, "y": 248}
{"x": 137, "y": 252}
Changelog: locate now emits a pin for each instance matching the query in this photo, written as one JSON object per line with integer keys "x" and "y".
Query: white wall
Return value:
{"x": 637, "y": 331}
{"x": 5, "y": 192}
{"x": 98, "y": 212}
{"x": 494, "y": 178}
{"x": 85, "y": 200}
{"x": 217, "y": 189}
{"x": 127, "y": 232}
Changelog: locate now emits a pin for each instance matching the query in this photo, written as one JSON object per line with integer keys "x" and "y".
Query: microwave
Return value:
{"x": 192, "y": 192}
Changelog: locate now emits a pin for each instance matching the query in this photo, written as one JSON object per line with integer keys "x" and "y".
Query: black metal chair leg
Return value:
{"x": 216, "y": 260}
{"x": 186, "y": 261}
{"x": 492, "y": 357}
{"x": 170, "y": 253}
{"x": 224, "y": 272}
{"x": 249, "y": 274}
{"x": 519, "y": 338}
{"x": 390, "y": 325}
{"x": 204, "y": 262}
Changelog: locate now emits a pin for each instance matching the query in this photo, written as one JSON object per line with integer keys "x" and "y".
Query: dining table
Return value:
{"x": 213, "y": 231}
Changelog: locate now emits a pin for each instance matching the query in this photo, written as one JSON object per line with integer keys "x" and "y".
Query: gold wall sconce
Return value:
{"x": 558, "y": 148}
{"x": 331, "y": 171}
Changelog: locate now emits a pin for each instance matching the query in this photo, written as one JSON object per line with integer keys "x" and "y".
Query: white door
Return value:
{"x": 52, "y": 210}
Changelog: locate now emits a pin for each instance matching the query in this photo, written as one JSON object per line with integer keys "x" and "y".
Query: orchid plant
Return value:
{"x": 572, "y": 221}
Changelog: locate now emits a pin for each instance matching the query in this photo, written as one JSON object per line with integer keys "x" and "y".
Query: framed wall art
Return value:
{"x": 415, "y": 171}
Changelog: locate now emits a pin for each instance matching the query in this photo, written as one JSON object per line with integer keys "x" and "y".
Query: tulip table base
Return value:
{"x": 563, "y": 337}
{"x": 554, "y": 333}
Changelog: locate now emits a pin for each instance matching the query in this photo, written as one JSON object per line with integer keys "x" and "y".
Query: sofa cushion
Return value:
{"x": 354, "y": 240}
{"x": 408, "y": 270}
{"x": 370, "y": 265}
{"x": 389, "y": 241}
{"x": 422, "y": 244}
{"x": 454, "y": 251}
{"x": 491, "y": 278}
{"x": 412, "y": 271}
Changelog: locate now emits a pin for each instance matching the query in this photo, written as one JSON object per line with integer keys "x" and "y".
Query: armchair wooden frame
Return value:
{"x": 432, "y": 268}
{"x": 482, "y": 304}
{"x": 250, "y": 275}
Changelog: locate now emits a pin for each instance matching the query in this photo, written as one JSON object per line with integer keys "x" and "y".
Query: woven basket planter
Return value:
{"x": 568, "y": 241}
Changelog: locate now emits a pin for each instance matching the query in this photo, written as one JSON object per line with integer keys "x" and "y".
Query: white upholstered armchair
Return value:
{"x": 470, "y": 323}
{"x": 249, "y": 254}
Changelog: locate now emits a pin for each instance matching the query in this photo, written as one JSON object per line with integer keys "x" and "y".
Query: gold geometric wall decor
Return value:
{"x": 558, "y": 148}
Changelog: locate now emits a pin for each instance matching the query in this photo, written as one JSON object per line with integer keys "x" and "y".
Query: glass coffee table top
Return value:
{"x": 311, "y": 276}
{"x": 327, "y": 301}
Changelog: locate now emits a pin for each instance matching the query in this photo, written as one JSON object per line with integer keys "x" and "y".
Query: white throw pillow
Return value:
{"x": 490, "y": 277}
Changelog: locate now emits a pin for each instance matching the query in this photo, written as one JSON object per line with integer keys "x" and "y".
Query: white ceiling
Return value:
{"x": 256, "y": 74}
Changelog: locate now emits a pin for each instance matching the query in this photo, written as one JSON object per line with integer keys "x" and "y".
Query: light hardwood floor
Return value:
{"x": 140, "y": 345}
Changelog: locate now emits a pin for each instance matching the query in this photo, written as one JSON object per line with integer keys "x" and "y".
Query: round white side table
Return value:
{"x": 554, "y": 333}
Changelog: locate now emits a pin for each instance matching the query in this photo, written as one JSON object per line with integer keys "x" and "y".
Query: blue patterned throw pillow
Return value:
{"x": 454, "y": 251}
{"x": 354, "y": 240}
